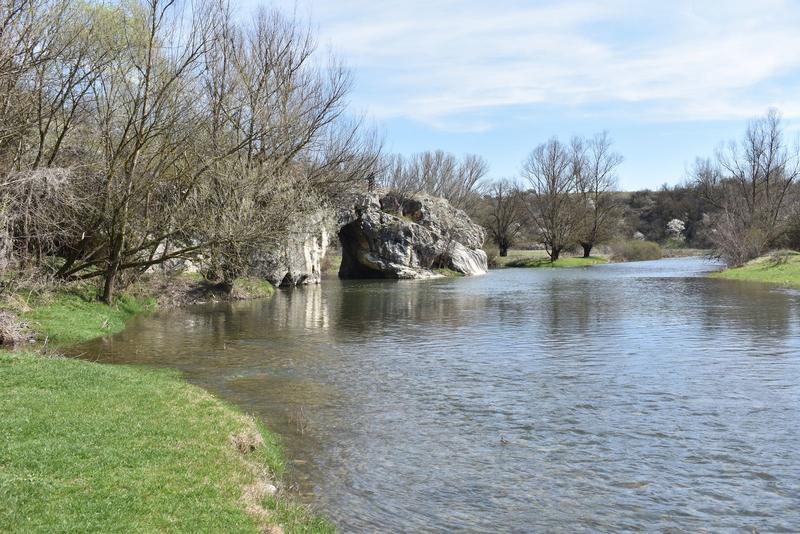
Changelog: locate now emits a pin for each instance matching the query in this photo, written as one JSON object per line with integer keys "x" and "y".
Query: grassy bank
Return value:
{"x": 539, "y": 258}
{"x": 780, "y": 268}
{"x": 101, "y": 448}
{"x": 562, "y": 262}
{"x": 69, "y": 314}
{"x": 69, "y": 317}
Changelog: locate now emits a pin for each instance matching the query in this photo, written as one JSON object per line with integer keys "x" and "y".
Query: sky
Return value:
{"x": 669, "y": 80}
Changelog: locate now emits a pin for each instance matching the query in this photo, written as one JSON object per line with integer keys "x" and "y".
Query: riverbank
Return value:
{"x": 97, "y": 447}
{"x": 539, "y": 258}
{"x": 779, "y": 268}
{"x": 57, "y": 316}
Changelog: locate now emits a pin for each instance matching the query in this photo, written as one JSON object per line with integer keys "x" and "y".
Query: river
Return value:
{"x": 624, "y": 397}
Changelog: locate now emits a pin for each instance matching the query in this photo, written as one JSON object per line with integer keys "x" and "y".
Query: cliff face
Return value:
{"x": 298, "y": 260}
{"x": 388, "y": 236}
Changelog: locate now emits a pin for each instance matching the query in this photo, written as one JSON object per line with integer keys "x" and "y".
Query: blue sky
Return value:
{"x": 670, "y": 80}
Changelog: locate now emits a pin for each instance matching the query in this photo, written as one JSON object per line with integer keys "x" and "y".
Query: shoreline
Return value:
{"x": 779, "y": 269}
{"x": 102, "y": 411}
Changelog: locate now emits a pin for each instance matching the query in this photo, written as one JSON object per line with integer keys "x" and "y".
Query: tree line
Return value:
{"x": 742, "y": 203}
{"x": 566, "y": 195}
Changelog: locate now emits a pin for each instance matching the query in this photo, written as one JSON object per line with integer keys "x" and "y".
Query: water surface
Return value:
{"x": 625, "y": 397}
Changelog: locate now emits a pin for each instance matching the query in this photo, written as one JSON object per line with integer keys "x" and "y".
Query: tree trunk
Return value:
{"x": 113, "y": 269}
{"x": 554, "y": 254}
{"x": 503, "y": 251}
{"x": 111, "y": 279}
{"x": 587, "y": 249}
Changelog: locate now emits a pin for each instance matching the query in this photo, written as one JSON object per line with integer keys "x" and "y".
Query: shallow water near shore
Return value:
{"x": 621, "y": 397}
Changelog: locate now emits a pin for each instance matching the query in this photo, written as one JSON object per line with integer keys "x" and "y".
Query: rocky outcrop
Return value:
{"x": 298, "y": 260}
{"x": 389, "y": 236}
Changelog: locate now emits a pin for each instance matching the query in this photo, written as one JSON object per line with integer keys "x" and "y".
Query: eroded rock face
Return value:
{"x": 298, "y": 260}
{"x": 387, "y": 236}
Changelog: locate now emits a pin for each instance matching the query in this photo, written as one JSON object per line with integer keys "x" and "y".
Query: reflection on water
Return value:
{"x": 631, "y": 396}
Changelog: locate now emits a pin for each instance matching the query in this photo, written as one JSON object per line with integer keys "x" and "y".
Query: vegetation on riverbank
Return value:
{"x": 103, "y": 448}
{"x": 618, "y": 251}
{"x": 780, "y": 268}
{"x": 635, "y": 250}
{"x": 562, "y": 262}
{"x": 95, "y": 447}
{"x": 64, "y": 314}
{"x": 448, "y": 273}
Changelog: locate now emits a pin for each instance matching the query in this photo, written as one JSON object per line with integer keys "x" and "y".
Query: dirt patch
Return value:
{"x": 246, "y": 442}
{"x": 13, "y": 332}
{"x": 180, "y": 290}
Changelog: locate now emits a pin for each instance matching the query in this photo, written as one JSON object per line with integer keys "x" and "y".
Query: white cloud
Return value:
{"x": 439, "y": 62}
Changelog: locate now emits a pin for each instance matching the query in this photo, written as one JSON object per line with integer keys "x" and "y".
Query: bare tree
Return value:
{"x": 749, "y": 184}
{"x": 136, "y": 133}
{"x": 594, "y": 166}
{"x": 437, "y": 173}
{"x": 552, "y": 204}
{"x": 504, "y": 213}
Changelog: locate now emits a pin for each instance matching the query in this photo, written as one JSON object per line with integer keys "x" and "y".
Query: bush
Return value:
{"x": 635, "y": 250}
{"x": 491, "y": 257}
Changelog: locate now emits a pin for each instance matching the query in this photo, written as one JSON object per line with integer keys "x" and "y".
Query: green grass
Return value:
{"x": 87, "y": 447}
{"x": 102, "y": 448}
{"x": 73, "y": 316}
{"x": 517, "y": 256}
{"x": 252, "y": 288}
{"x": 562, "y": 262}
{"x": 780, "y": 268}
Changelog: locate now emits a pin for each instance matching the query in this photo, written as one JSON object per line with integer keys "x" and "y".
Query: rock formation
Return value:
{"x": 298, "y": 260}
{"x": 390, "y": 236}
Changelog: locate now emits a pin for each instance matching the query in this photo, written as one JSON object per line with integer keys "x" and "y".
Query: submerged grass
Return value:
{"x": 779, "y": 268}
{"x": 104, "y": 448}
{"x": 448, "y": 273}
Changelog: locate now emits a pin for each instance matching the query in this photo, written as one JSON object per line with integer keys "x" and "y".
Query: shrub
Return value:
{"x": 635, "y": 250}
{"x": 491, "y": 257}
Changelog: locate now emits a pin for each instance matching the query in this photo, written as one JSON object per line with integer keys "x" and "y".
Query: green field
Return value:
{"x": 780, "y": 268}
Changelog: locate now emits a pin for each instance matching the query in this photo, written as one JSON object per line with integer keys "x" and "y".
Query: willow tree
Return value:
{"x": 552, "y": 201}
{"x": 594, "y": 166}
{"x": 437, "y": 173}
{"x": 749, "y": 184}
{"x": 504, "y": 214}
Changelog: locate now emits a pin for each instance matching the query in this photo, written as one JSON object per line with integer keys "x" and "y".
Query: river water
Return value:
{"x": 623, "y": 397}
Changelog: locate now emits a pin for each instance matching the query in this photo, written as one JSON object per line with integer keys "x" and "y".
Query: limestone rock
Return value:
{"x": 297, "y": 261}
{"x": 389, "y": 236}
